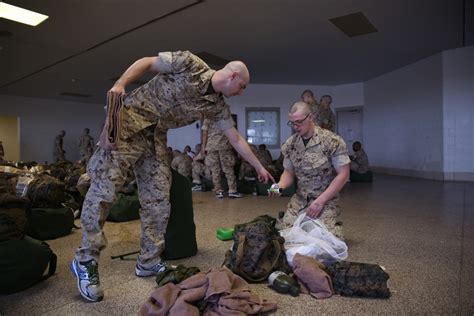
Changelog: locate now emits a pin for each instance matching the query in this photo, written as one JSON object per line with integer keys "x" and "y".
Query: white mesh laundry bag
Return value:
{"x": 309, "y": 237}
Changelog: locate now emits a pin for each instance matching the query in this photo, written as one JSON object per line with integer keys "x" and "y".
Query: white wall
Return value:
{"x": 403, "y": 119}
{"x": 42, "y": 119}
{"x": 283, "y": 96}
{"x": 458, "y": 107}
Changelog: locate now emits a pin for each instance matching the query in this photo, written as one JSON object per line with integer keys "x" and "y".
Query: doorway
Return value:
{"x": 349, "y": 125}
{"x": 9, "y": 135}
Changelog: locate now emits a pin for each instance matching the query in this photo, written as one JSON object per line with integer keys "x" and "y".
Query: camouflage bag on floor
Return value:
{"x": 257, "y": 251}
{"x": 359, "y": 279}
{"x": 13, "y": 220}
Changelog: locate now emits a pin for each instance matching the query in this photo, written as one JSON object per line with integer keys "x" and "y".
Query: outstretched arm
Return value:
{"x": 244, "y": 150}
{"x": 134, "y": 72}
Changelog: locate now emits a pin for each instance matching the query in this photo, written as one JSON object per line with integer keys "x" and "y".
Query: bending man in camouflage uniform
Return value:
{"x": 219, "y": 157}
{"x": 312, "y": 155}
{"x": 86, "y": 146}
{"x": 134, "y": 137}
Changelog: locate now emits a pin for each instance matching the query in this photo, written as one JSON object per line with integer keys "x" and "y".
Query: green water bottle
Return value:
{"x": 283, "y": 283}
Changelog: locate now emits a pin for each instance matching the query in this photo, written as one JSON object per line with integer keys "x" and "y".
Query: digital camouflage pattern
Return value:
{"x": 173, "y": 98}
{"x": 200, "y": 170}
{"x": 325, "y": 118}
{"x": 86, "y": 147}
{"x": 359, "y": 279}
{"x": 220, "y": 156}
{"x": 258, "y": 250}
{"x": 313, "y": 166}
{"x": 360, "y": 161}
{"x": 222, "y": 160}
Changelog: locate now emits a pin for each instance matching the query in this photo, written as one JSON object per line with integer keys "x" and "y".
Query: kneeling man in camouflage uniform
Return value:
{"x": 184, "y": 90}
{"x": 319, "y": 161}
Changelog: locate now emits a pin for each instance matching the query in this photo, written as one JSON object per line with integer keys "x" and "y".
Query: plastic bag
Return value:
{"x": 309, "y": 237}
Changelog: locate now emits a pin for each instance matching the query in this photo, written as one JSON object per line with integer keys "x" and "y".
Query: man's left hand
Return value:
{"x": 264, "y": 175}
{"x": 315, "y": 209}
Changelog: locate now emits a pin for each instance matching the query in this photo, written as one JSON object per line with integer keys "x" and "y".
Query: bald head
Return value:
{"x": 238, "y": 67}
{"x": 300, "y": 106}
{"x": 232, "y": 79}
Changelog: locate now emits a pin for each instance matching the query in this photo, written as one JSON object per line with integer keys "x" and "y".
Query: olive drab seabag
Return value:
{"x": 23, "y": 263}
{"x": 13, "y": 220}
{"x": 359, "y": 279}
{"x": 257, "y": 250}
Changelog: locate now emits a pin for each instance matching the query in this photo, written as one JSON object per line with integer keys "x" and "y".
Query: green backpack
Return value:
{"x": 126, "y": 208}
{"x": 50, "y": 223}
{"x": 23, "y": 263}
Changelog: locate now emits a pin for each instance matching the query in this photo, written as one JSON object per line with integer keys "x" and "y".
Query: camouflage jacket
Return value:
{"x": 313, "y": 164}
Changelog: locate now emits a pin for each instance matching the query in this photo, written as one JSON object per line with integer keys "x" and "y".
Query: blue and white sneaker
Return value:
{"x": 87, "y": 274}
{"x": 146, "y": 272}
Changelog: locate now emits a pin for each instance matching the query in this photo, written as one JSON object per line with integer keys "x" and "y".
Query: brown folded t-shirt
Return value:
{"x": 312, "y": 277}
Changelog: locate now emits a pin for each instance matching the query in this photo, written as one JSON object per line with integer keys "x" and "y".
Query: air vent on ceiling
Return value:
{"x": 137, "y": 82}
{"x": 354, "y": 24}
{"x": 212, "y": 59}
{"x": 76, "y": 95}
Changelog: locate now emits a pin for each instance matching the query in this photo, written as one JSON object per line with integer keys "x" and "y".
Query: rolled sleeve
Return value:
{"x": 165, "y": 60}
{"x": 339, "y": 155}
{"x": 340, "y": 160}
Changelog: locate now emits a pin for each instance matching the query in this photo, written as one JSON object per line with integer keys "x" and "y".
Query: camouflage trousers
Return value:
{"x": 108, "y": 171}
{"x": 329, "y": 215}
{"x": 222, "y": 160}
{"x": 199, "y": 171}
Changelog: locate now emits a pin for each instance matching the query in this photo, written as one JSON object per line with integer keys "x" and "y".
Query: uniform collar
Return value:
{"x": 204, "y": 82}
{"x": 313, "y": 141}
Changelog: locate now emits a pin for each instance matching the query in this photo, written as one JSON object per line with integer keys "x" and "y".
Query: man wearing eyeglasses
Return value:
{"x": 318, "y": 159}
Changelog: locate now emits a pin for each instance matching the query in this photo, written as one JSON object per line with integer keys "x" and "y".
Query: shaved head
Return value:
{"x": 300, "y": 105}
{"x": 238, "y": 67}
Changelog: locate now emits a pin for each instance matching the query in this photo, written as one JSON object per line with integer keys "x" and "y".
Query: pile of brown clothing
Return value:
{"x": 217, "y": 292}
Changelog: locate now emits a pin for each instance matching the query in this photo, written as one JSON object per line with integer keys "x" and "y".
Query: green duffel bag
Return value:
{"x": 180, "y": 237}
{"x": 50, "y": 223}
{"x": 23, "y": 263}
{"x": 263, "y": 187}
{"x": 126, "y": 208}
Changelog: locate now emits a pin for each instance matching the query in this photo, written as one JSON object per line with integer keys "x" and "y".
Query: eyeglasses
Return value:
{"x": 297, "y": 123}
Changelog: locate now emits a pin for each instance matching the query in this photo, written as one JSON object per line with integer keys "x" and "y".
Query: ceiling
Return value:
{"x": 86, "y": 43}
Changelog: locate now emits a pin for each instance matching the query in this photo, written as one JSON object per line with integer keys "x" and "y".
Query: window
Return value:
{"x": 263, "y": 126}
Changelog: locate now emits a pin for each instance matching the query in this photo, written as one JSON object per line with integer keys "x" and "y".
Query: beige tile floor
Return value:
{"x": 421, "y": 231}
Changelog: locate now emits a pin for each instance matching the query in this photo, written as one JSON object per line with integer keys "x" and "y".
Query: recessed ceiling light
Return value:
{"x": 21, "y": 15}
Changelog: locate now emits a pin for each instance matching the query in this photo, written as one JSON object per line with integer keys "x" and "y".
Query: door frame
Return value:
{"x": 348, "y": 109}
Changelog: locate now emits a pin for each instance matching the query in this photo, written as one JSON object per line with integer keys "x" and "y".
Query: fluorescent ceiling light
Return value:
{"x": 21, "y": 15}
{"x": 258, "y": 121}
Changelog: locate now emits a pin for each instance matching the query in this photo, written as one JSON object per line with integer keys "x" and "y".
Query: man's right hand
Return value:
{"x": 274, "y": 190}
{"x": 117, "y": 89}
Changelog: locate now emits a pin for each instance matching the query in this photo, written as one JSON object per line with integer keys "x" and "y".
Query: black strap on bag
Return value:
{"x": 53, "y": 262}
{"x": 25, "y": 263}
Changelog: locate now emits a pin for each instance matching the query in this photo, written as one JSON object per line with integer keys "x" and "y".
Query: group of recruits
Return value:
{"x": 184, "y": 90}
{"x": 86, "y": 147}
{"x": 215, "y": 157}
